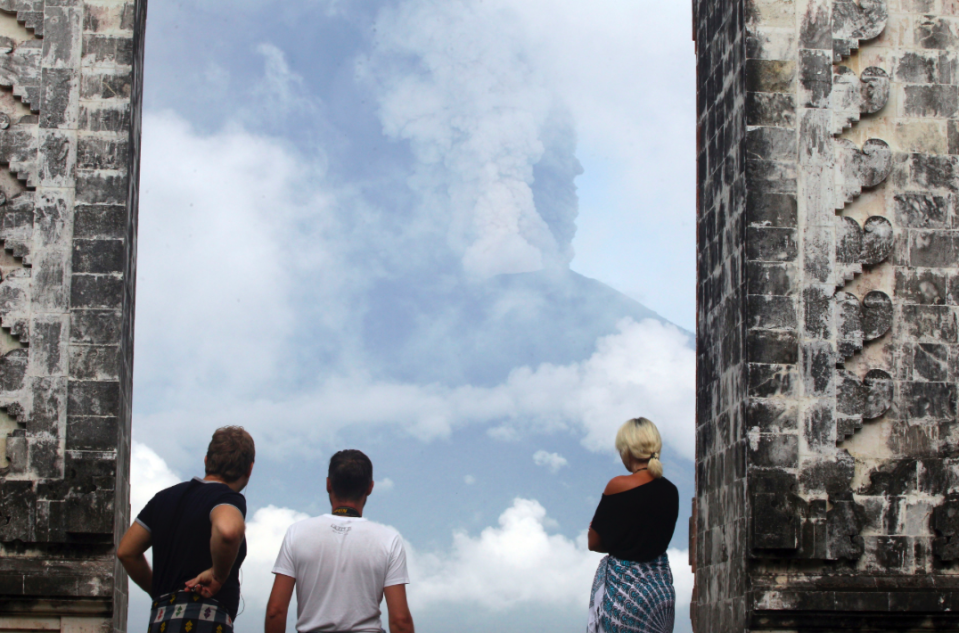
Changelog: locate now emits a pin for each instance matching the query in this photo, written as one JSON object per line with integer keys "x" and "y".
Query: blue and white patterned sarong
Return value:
{"x": 630, "y": 597}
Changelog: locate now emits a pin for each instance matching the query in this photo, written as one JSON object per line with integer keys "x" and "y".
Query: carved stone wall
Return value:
{"x": 70, "y": 86}
{"x": 828, "y": 480}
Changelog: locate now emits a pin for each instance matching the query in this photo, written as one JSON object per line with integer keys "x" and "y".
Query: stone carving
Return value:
{"x": 858, "y": 323}
{"x": 854, "y": 22}
{"x": 29, "y": 13}
{"x": 858, "y": 400}
{"x": 876, "y": 315}
{"x": 853, "y": 96}
{"x": 858, "y": 169}
{"x": 858, "y": 246}
{"x": 20, "y": 70}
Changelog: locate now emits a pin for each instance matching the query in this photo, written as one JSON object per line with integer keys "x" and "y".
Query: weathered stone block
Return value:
{"x": 776, "y": 210}
{"x": 771, "y": 312}
{"x": 767, "y": 176}
{"x": 922, "y": 211}
{"x": 98, "y": 256}
{"x": 771, "y": 416}
{"x": 774, "y": 451}
{"x": 770, "y": 76}
{"x": 95, "y": 327}
{"x": 933, "y": 32}
{"x": 91, "y": 433}
{"x": 100, "y": 221}
{"x": 775, "y": 524}
{"x": 932, "y": 249}
{"x": 59, "y": 98}
{"x": 815, "y": 78}
{"x": 929, "y": 323}
{"x": 766, "y": 381}
{"x": 95, "y": 362}
{"x": 97, "y": 291}
{"x": 932, "y": 172}
{"x": 771, "y": 244}
{"x": 771, "y": 109}
{"x": 931, "y": 101}
{"x": 98, "y": 153}
{"x": 99, "y": 188}
{"x": 928, "y": 400}
{"x": 94, "y": 398}
{"x": 46, "y": 349}
{"x": 52, "y": 585}
{"x": 770, "y": 278}
{"x": 774, "y": 347}
{"x": 916, "y": 67}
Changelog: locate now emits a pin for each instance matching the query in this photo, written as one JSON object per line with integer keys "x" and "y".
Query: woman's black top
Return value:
{"x": 637, "y": 524}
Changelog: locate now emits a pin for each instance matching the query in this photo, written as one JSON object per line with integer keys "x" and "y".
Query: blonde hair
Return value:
{"x": 640, "y": 438}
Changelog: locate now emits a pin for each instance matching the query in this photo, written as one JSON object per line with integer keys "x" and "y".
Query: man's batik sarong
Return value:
{"x": 188, "y": 612}
{"x": 630, "y": 597}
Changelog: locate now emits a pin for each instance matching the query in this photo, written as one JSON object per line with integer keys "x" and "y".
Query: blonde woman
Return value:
{"x": 633, "y": 588}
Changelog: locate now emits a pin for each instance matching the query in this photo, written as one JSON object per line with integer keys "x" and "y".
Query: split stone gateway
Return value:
{"x": 70, "y": 93}
{"x": 828, "y": 285}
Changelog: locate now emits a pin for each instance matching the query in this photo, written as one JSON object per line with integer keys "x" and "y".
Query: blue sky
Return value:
{"x": 456, "y": 234}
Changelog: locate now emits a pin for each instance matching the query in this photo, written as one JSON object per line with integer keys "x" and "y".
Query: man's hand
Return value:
{"x": 279, "y": 603}
{"x": 131, "y": 551}
{"x": 206, "y": 584}
{"x": 400, "y": 619}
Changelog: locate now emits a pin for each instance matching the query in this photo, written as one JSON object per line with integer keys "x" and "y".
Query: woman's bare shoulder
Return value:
{"x": 619, "y": 484}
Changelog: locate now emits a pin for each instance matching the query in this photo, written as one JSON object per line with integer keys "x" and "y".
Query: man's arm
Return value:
{"x": 228, "y": 530}
{"x": 131, "y": 552}
{"x": 401, "y": 621}
{"x": 279, "y": 604}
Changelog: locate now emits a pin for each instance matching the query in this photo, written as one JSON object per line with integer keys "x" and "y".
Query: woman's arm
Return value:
{"x": 595, "y": 542}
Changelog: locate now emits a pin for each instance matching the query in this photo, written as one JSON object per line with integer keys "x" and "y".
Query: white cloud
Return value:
{"x": 645, "y": 369}
{"x": 469, "y": 480}
{"x": 149, "y": 474}
{"x": 385, "y": 485}
{"x": 228, "y": 223}
{"x": 516, "y": 563}
{"x": 282, "y": 88}
{"x": 264, "y": 535}
{"x": 552, "y": 461}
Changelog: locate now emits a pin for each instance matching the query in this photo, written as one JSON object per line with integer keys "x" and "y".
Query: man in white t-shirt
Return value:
{"x": 341, "y": 564}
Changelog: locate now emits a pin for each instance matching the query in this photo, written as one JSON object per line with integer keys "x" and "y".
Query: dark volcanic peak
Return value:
{"x": 477, "y": 333}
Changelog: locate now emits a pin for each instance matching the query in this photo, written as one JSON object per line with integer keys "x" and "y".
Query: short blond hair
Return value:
{"x": 640, "y": 438}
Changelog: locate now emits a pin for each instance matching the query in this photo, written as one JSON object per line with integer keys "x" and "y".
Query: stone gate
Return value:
{"x": 828, "y": 284}
{"x": 70, "y": 86}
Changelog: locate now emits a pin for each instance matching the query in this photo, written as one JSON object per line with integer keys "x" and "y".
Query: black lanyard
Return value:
{"x": 345, "y": 511}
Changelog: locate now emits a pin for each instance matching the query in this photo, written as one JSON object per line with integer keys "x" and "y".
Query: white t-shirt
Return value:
{"x": 341, "y": 565}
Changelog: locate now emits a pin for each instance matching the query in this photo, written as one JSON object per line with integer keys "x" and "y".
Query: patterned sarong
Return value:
{"x": 188, "y": 612}
{"x": 630, "y": 597}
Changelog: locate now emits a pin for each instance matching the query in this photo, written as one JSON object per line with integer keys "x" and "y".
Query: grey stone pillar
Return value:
{"x": 70, "y": 93}
{"x": 828, "y": 278}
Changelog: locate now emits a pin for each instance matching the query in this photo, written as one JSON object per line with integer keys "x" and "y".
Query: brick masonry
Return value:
{"x": 70, "y": 94}
{"x": 828, "y": 286}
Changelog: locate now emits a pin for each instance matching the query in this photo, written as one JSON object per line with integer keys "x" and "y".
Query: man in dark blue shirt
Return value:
{"x": 196, "y": 529}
